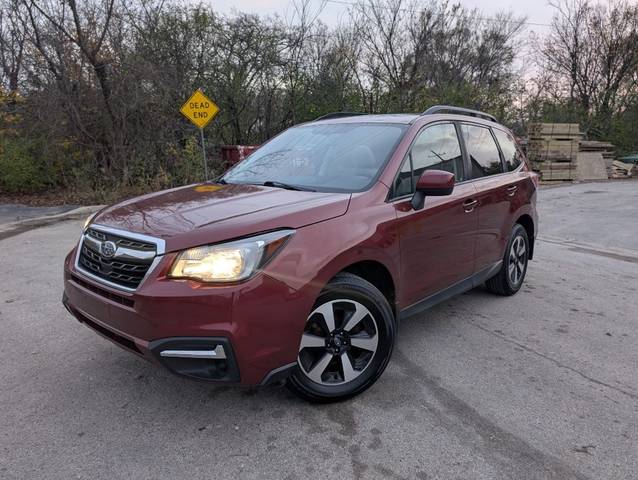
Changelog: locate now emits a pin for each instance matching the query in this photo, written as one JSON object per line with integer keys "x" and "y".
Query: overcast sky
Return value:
{"x": 536, "y": 11}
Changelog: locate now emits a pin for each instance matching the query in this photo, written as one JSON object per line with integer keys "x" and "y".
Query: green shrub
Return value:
{"x": 188, "y": 166}
{"x": 21, "y": 170}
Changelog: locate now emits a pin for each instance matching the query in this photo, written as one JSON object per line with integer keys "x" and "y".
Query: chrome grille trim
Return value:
{"x": 157, "y": 242}
{"x": 136, "y": 244}
{"x": 93, "y": 236}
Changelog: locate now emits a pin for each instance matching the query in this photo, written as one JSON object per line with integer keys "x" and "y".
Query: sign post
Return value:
{"x": 201, "y": 131}
{"x": 200, "y": 110}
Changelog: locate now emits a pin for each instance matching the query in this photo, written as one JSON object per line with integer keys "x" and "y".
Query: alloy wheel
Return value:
{"x": 339, "y": 342}
{"x": 517, "y": 260}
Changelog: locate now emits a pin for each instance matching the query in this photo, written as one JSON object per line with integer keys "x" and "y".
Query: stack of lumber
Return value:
{"x": 621, "y": 169}
{"x": 591, "y": 166}
{"x": 606, "y": 149}
{"x": 553, "y": 149}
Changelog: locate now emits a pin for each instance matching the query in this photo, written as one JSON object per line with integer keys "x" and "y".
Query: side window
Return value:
{"x": 511, "y": 154}
{"x": 482, "y": 149}
{"x": 403, "y": 185}
{"x": 437, "y": 148}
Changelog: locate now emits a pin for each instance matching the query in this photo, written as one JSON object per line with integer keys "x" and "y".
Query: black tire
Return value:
{"x": 503, "y": 282}
{"x": 345, "y": 288}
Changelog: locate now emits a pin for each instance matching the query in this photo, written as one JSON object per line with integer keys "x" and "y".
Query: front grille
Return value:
{"x": 127, "y": 267}
{"x": 121, "y": 241}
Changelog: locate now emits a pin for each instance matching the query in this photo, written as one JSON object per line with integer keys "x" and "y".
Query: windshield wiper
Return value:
{"x": 287, "y": 186}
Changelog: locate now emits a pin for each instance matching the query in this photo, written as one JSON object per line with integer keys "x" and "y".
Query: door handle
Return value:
{"x": 469, "y": 205}
{"x": 512, "y": 190}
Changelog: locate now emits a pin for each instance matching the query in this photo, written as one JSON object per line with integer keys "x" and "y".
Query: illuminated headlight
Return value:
{"x": 228, "y": 262}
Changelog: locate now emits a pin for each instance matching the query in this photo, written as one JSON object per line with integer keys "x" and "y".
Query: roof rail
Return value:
{"x": 328, "y": 116}
{"x": 459, "y": 111}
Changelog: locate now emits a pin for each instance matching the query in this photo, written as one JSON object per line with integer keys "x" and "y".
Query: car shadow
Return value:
{"x": 140, "y": 387}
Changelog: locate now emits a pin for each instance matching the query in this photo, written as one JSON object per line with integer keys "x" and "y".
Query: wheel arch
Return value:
{"x": 527, "y": 223}
{"x": 378, "y": 275}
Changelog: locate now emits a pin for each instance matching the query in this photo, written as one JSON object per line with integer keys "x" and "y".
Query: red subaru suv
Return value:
{"x": 299, "y": 263}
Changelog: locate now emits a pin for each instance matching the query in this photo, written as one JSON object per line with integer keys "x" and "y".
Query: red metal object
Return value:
{"x": 424, "y": 251}
{"x": 436, "y": 182}
{"x": 233, "y": 154}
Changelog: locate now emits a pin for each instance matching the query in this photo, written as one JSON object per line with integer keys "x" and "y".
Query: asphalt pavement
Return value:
{"x": 542, "y": 385}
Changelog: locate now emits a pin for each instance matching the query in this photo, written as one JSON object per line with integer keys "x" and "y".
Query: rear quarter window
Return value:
{"x": 484, "y": 156}
{"x": 511, "y": 154}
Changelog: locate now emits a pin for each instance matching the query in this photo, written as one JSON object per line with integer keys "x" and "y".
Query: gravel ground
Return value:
{"x": 543, "y": 385}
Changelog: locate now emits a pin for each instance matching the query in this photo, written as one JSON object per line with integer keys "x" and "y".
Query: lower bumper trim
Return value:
{"x": 208, "y": 359}
{"x": 278, "y": 375}
{"x": 217, "y": 353}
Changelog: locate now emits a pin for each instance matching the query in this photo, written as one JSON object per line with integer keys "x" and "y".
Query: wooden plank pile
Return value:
{"x": 553, "y": 149}
{"x": 621, "y": 169}
{"x": 606, "y": 149}
{"x": 591, "y": 166}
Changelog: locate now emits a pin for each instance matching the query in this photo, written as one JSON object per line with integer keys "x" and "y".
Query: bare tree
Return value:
{"x": 592, "y": 50}
{"x": 12, "y": 43}
{"x": 299, "y": 32}
{"x": 85, "y": 28}
{"x": 383, "y": 28}
{"x": 416, "y": 53}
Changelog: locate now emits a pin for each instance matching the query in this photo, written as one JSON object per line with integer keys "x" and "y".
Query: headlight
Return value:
{"x": 228, "y": 262}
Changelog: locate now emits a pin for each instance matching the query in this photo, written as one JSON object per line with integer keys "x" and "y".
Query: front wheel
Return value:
{"x": 510, "y": 277}
{"x": 346, "y": 343}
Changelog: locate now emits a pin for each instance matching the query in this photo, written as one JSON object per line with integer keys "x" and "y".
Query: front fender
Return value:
{"x": 318, "y": 252}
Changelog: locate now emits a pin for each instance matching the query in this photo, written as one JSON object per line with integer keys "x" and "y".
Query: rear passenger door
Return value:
{"x": 437, "y": 242}
{"x": 491, "y": 182}
{"x": 517, "y": 182}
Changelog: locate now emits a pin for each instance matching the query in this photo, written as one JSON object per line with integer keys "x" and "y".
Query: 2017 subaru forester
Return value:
{"x": 299, "y": 263}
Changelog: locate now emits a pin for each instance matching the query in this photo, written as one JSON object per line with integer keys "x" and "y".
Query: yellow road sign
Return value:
{"x": 199, "y": 109}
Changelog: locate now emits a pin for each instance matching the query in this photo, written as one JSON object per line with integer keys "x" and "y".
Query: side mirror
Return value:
{"x": 432, "y": 183}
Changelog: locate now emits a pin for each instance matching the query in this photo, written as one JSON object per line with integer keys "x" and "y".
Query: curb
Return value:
{"x": 592, "y": 248}
{"x": 14, "y": 228}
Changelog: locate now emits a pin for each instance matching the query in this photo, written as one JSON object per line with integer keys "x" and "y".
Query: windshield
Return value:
{"x": 344, "y": 157}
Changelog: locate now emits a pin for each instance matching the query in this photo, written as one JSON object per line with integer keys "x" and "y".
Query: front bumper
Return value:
{"x": 255, "y": 326}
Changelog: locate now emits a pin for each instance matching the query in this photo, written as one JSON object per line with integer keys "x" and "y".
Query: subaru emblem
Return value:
{"x": 108, "y": 249}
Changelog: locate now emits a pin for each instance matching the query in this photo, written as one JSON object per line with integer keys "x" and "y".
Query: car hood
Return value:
{"x": 208, "y": 213}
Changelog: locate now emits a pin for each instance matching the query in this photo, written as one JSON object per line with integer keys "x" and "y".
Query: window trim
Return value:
{"x": 391, "y": 194}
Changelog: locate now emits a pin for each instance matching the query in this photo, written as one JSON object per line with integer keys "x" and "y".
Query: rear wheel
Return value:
{"x": 346, "y": 343}
{"x": 510, "y": 277}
